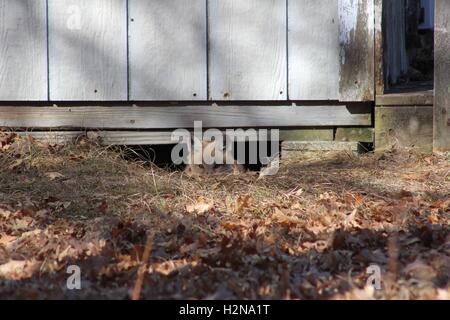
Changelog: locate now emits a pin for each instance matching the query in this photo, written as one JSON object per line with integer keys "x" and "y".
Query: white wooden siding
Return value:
{"x": 88, "y": 50}
{"x": 248, "y": 58}
{"x": 180, "y": 50}
{"x": 356, "y": 37}
{"x": 23, "y": 50}
{"x": 168, "y": 50}
{"x": 314, "y": 50}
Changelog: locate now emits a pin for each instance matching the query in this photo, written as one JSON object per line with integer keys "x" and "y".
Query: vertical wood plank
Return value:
{"x": 313, "y": 50}
{"x": 168, "y": 50}
{"x": 442, "y": 77}
{"x": 356, "y": 37}
{"x": 379, "y": 50}
{"x": 248, "y": 54}
{"x": 88, "y": 50}
{"x": 23, "y": 50}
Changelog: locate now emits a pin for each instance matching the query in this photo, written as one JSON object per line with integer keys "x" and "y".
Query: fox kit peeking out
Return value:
{"x": 210, "y": 159}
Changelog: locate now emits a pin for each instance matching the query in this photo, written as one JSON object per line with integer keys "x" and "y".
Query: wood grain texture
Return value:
{"x": 442, "y": 77}
{"x": 296, "y": 146}
{"x": 129, "y": 138}
{"x": 248, "y": 54}
{"x": 181, "y": 117}
{"x": 404, "y": 127}
{"x": 23, "y": 50}
{"x": 355, "y": 135}
{"x": 168, "y": 50}
{"x": 356, "y": 37}
{"x": 307, "y": 135}
{"x": 107, "y": 138}
{"x": 419, "y": 98}
{"x": 313, "y": 50}
{"x": 379, "y": 49}
{"x": 52, "y": 137}
{"x": 88, "y": 50}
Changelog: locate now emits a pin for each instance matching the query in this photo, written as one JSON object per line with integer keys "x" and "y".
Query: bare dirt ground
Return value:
{"x": 310, "y": 232}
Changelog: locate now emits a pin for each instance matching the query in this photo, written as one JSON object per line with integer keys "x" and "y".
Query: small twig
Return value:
{"x": 142, "y": 269}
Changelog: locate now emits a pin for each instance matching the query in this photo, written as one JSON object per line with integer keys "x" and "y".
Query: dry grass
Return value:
{"x": 309, "y": 232}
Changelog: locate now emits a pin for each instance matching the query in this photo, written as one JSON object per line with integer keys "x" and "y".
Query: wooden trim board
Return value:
{"x": 293, "y": 146}
{"x": 442, "y": 77}
{"x": 110, "y": 138}
{"x": 107, "y": 138}
{"x": 379, "y": 50}
{"x": 183, "y": 117}
{"x": 421, "y": 98}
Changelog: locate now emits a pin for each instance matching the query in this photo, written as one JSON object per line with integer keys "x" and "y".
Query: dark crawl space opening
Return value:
{"x": 408, "y": 45}
{"x": 160, "y": 155}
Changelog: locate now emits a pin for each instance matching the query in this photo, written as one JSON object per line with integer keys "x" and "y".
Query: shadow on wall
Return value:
{"x": 91, "y": 64}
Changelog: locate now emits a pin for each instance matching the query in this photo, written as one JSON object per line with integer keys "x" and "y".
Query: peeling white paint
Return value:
{"x": 348, "y": 20}
{"x": 356, "y": 24}
{"x": 348, "y": 16}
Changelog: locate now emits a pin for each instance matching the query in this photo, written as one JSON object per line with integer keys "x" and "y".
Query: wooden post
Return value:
{"x": 442, "y": 77}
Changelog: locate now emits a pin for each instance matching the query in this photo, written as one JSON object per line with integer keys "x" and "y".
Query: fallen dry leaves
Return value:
{"x": 18, "y": 270}
{"x": 200, "y": 206}
{"x": 310, "y": 232}
{"x": 54, "y": 175}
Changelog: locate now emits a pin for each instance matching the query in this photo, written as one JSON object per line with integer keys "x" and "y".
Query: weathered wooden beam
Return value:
{"x": 296, "y": 146}
{"x": 131, "y": 138}
{"x": 442, "y": 77}
{"x": 421, "y": 98}
{"x": 52, "y": 137}
{"x": 307, "y": 135}
{"x": 106, "y": 138}
{"x": 355, "y": 135}
{"x": 110, "y": 138}
{"x": 379, "y": 49}
{"x": 183, "y": 117}
{"x": 404, "y": 127}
